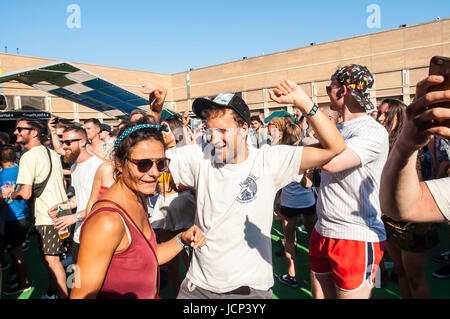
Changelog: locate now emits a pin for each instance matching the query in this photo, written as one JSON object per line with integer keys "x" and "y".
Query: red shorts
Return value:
{"x": 351, "y": 262}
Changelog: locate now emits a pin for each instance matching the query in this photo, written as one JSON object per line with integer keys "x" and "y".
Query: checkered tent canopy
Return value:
{"x": 73, "y": 83}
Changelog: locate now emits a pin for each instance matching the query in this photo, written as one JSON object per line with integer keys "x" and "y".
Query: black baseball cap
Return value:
{"x": 223, "y": 100}
{"x": 105, "y": 127}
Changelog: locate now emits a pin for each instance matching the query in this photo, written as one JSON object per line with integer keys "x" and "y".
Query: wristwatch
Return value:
{"x": 78, "y": 215}
{"x": 313, "y": 111}
{"x": 10, "y": 199}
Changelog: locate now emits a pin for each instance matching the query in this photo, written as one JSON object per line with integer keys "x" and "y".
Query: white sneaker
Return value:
{"x": 46, "y": 296}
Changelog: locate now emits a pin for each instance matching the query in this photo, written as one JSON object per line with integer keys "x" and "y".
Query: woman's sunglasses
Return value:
{"x": 144, "y": 165}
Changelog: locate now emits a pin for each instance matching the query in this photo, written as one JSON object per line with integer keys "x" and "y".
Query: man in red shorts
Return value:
{"x": 347, "y": 243}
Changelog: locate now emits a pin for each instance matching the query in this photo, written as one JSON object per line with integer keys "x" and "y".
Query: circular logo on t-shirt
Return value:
{"x": 248, "y": 190}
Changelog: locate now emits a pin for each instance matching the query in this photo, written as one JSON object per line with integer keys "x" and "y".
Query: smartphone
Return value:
{"x": 440, "y": 65}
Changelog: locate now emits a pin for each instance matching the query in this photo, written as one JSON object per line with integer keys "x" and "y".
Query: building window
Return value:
{"x": 33, "y": 103}
{"x": 6, "y": 102}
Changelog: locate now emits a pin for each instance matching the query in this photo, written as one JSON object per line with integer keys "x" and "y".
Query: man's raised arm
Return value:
{"x": 331, "y": 141}
{"x": 402, "y": 195}
{"x": 157, "y": 96}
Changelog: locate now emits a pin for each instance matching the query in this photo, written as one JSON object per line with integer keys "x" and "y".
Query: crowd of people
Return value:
{"x": 125, "y": 205}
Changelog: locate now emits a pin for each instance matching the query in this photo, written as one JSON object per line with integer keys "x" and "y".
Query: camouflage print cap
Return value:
{"x": 359, "y": 81}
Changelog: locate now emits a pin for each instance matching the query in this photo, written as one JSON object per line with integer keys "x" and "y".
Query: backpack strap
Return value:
{"x": 38, "y": 189}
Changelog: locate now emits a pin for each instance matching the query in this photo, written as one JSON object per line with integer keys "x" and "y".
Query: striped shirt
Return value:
{"x": 348, "y": 205}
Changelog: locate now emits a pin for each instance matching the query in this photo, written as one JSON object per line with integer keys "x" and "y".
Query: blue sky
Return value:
{"x": 171, "y": 36}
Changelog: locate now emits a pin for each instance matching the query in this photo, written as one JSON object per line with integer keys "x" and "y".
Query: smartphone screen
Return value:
{"x": 440, "y": 66}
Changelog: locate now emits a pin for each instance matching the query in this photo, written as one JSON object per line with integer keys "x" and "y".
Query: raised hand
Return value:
{"x": 52, "y": 125}
{"x": 157, "y": 96}
{"x": 424, "y": 121}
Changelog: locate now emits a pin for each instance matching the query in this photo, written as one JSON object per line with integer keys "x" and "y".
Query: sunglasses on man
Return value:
{"x": 69, "y": 142}
{"x": 21, "y": 128}
{"x": 329, "y": 87}
{"x": 144, "y": 165}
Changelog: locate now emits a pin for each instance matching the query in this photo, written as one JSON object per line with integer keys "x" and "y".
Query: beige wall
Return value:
{"x": 392, "y": 56}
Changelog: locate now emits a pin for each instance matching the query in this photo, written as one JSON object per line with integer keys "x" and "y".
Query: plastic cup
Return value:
{"x": 63, "y": 233}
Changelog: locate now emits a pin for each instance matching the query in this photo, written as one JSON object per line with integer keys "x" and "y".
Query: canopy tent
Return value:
{"x": 73, "y": 83}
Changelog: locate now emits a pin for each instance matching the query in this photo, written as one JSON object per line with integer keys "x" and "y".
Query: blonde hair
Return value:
{"x": 281, "y": 122}
{"x": 292, "y": 134}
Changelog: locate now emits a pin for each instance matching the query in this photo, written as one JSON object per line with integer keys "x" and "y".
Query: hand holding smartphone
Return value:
{"x": 440, "y": 66}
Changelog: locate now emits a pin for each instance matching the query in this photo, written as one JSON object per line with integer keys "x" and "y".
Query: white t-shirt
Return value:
{"x": 295, "y": 195}
{"x": 82, "y": 179}
{"x": 34, "y": 167}
{"x": 234, "y": 212}
{"x": 174, "y": 211}
{"x": 348, "y": 205}
{"x": 440, "y": 189}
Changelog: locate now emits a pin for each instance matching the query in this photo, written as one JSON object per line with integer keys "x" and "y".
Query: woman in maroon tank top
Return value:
{"x": 118, "y": 255}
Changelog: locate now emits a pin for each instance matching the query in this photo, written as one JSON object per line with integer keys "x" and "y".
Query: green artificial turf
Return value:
{"x": 37, "y": 272}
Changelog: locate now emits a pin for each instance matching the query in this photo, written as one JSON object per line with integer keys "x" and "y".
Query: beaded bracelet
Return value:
{"x": 186, "y": 247}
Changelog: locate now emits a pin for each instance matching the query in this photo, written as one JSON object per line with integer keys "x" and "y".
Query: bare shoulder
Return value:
{"x": 106, "y": 222}
{"x": 107, "y": 166}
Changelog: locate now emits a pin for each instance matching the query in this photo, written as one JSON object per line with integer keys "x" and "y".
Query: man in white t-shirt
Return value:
{"x": 83, "y": 170}
{"x": 347, "y": 243}
{"x": 34, "y": 168}
{"x": 403, "y": 196}
{"x": 236, "y": 186}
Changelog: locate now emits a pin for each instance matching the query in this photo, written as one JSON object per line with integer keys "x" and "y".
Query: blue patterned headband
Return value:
{"x": 135, "y": 128}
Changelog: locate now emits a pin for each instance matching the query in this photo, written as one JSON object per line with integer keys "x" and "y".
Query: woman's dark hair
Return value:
{"x": 395, "y": 118}
{"x": 124, "y": 149}
{"x": 176, "y": 127}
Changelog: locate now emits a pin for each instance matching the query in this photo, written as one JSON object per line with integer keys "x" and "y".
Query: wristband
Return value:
{"x": 186, "y": 248}
{"x": 313, "y": 111}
